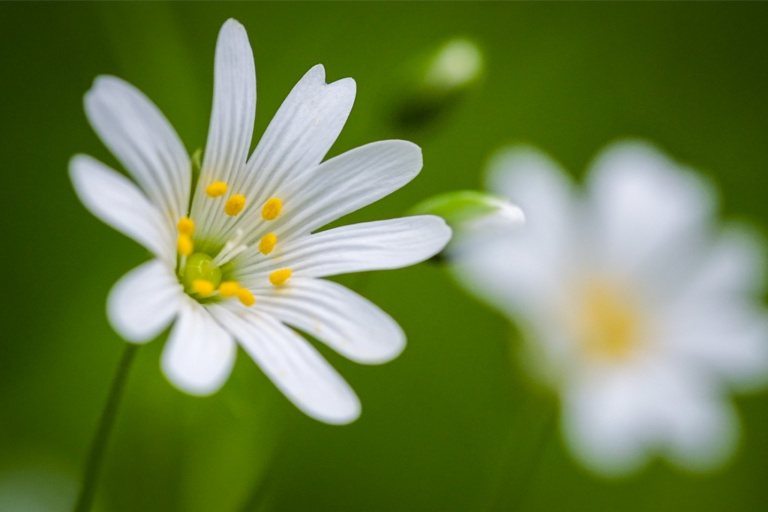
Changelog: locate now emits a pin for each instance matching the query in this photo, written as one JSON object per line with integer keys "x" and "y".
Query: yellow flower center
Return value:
{"x": 608, "y": 322}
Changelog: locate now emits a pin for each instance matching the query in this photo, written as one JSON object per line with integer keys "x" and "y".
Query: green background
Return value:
{"x": 451, "y": 424}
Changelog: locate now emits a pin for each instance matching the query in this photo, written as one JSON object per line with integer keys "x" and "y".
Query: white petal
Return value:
{"x": 114, "y": 199}
{"x": 337, "y": 316}
{"x": 199, "y": 354}
{"x": 232, "y": 118}
{"x": 376, "y": 245}
{"x": 603, "y": 424}
{"x": 295, "y": 367}
{"x": 303, "y": 130}
{"x": 703, "y": 433}
{"x": 728, "y": 337}
{"x": 344, "y": 184}
{"x": 144, "y": 301}
{"x": 543, "y": 190}
{"x": 646, "y": 207}
{"x": 734, "y": 264}
{"x": 140, "y": 137}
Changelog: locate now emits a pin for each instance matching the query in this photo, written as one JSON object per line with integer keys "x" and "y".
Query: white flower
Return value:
{"x": 237, "y": 258}
{"x": 636, "y": 310}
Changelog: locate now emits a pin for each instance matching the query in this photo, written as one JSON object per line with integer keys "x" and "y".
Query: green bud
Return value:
{"x": 434, "y": 82}
{"x": 467, "y": 208}
{"x": 455, "y": 65}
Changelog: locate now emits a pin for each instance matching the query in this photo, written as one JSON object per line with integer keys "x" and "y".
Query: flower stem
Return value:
{"x": 106, "y": 422}
{"x": 512, "y": 485}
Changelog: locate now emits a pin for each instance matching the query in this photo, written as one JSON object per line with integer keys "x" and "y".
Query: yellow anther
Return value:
{"x": 278, "y": 277}
{"x": 267, "y": 243}
{"x": 186, "y": 226}
{"x": 272, "y": 208}
{"x": 185, "y": 245}
{"x": 203, "y": 287}
{"x": 246, "y": 297}
{"x": 235, "y": 205}
{"x": 229, "y": 289}
{"x": 216, "y": 189}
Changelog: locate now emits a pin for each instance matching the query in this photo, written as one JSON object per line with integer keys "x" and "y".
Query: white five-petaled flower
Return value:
{"x": 635, "y": 309}
{"x": 237, "y": 258}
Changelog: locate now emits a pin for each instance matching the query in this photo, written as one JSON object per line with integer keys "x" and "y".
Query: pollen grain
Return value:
{"x": 229, "y": 289}
{"x": 216, "y": 189}
{"x": 272, "y": 208}
{"x": 279, "y": 277}
{"x": 186, "y": 226}
{"x": 246, "y": 297}
{"x": 267, "y": 243}
{"x": 203, "y": 287}
{"x": 185, "y": 245}
{"x": 235, "y": 205}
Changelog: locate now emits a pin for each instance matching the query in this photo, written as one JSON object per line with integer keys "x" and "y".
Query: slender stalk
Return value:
{"x": 512, "y": 484}
{"x": 104, "y": 429}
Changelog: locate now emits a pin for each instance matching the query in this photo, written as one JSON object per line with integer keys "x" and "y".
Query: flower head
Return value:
{"x": 636, "y": 310}
{"x": 237, "y": 258}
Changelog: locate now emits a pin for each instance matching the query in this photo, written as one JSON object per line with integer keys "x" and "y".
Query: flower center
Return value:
{"x": 608, "y": 322}
{"x": 201, "y": 274}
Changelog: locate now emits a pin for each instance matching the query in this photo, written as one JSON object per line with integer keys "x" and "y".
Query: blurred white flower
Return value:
{"x": 238, "y": 259}
{"x": 636, "y": 309}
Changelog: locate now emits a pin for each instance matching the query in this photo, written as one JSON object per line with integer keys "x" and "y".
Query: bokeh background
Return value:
{"x": 451, "y": 424}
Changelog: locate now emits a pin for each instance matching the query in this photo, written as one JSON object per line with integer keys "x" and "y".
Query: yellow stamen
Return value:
{"x": 278, "y": 277}
{"x": 229, "y": 289}
{"x": 216, "y": 189}
{"x": 267, "y": 243}
{"x": 272, "y": 209}
{"x": 246, "y": 297}
{"x": 203, "y": 287}
{"x": 185, "y": 245}
{"x": 186, "y": 226}
{"x": 235, "y": 205}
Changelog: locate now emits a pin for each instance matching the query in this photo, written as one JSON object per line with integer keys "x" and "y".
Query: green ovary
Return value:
{"x": 198, "y": 266}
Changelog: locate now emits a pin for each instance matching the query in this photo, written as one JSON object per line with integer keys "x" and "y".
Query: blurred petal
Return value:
{"x": 728, "y": 337}
{"x": 603, "y": 424}
{"x": 703, "y": 433}
{"x": 295, "y": 367}
{"x": 733, "y": 264}
{"x": 199, "y": 354}
{"x": 115, "y": 200}
{"x": 144, "y": 301}
{"x": 379, "y": 245}
{"x": 138, "y": 134}
{"x": 646, "y": 208}
{"x": 345, "y": 321}
{"x": 543, "y": 190}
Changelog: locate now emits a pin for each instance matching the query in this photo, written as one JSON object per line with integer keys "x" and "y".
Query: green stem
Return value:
{"x": 106, "y": 422}
{"x": 512, "y": 484}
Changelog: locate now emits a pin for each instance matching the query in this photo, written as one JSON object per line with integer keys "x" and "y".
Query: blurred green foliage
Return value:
{"x": 451, "y": 424}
